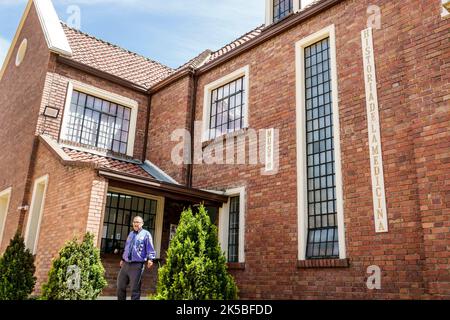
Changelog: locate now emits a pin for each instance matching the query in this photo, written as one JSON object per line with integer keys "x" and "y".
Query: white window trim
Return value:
{"x": 5, "y": 194}
{"x": 37, "y": 182}
{"x": 302, "y": 203}
{"x": 159, "y": 215}
{"x": 105, "y": 95}
{"x": 269, "y": 10}
{"x": 224, "y": 222}
{"x": 244, "y": 71}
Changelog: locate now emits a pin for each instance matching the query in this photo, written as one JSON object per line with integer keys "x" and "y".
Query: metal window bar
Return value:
{"x": 120, "y": 211}
{"x": 229, "y": 117}
{"x": 281, "y": 8}
{"x": 233, "y": 230}
{"x": 322, "y": 241}
{"x": 90, "y": 128}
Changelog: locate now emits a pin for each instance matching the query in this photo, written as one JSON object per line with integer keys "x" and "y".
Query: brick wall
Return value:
{"x": 66, "y": 207}
{"x": 413, "y": 97}
{"x": 20, "y": 97}
{"x": 169, "y": 111}
{"x": 55, "y": 91}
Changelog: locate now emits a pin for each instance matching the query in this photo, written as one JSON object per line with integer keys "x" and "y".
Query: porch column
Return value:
{"x": 96, "y": 208}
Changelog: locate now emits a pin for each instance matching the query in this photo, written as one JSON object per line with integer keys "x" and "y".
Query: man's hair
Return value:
{"x": 138, "y": 217}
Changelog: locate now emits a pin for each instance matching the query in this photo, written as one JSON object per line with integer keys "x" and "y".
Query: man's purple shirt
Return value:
{"x": 142, "y": 249}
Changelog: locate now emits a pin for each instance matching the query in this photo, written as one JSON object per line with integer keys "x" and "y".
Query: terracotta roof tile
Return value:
{"x": 121, "y": 166}
{"x": 112, "y": 59}
{"x": 236, "y": 43}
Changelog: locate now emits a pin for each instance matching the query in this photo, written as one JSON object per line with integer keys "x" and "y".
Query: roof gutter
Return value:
{"x": 163, "y": 186}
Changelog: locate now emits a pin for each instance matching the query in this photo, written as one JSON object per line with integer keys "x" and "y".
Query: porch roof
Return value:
{"x": 129, "y": 172}
{"x": 176, "y": 191}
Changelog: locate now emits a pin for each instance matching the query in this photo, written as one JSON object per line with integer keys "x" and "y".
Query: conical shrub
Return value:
{"x": 195, "y": 267}
{"x": 16, "y": 271}
{"x": 77, "y": 274}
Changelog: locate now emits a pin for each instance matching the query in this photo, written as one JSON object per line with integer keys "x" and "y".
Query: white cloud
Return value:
{"x": 4, "y": 47}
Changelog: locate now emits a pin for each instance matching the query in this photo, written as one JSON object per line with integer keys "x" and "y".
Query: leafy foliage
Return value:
{"x": 195, "y": 267}
{"x": 16, "y": 271}
{"x": 77, "y": 274}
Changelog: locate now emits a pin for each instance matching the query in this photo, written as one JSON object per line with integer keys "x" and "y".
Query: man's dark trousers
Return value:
{"x": 131, "y": 272}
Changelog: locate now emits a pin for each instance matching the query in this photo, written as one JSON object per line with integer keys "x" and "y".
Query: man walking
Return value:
{"x": 138, "y": 251}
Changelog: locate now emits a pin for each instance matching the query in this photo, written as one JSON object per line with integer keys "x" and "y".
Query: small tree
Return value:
{"x": 77, "y": 274}
{"x": 195, "y": 267}
{"x": 16, "y": 271}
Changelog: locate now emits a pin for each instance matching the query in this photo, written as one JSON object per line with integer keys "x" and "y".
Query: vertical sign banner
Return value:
{"x": 373, "y": 122}
{"x": 269, "y": 149}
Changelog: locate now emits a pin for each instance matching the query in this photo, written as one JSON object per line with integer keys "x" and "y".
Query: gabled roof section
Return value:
{"x": 51, "y": 27}
{"x": 54, "y": 35}
{"x": 114, "y": 60}
{"x": 73, "y": 156}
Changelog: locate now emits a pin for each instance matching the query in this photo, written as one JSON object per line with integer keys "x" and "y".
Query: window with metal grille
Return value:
{"x": 119, "y": 214}
{"x": 233, "y": 230}
{"x": 322, "y": 211}
{"x": 227, "y": 106}
{"x": 98, "y": 123}
{"x": 281, "y": 8}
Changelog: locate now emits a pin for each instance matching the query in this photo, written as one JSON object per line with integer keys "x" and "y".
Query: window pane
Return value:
{"x": 322, "y": 229}
{"x": 281, "y": 8}
{"x": 118, "y": 219}
{"x": 233, "y": 230}
{"x": 96, "y": 122}
{"x": 226, "y": 108}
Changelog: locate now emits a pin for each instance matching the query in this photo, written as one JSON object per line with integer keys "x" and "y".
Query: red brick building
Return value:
{"x": 341, "y": 107}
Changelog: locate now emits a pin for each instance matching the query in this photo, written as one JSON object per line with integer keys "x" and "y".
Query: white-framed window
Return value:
{"x": 121, "y": 207}
{"x": 319, "y": 177}
{"x": 225, "y": 104}
{"x": 445, "y": 9}
{"x": 232, "y": 225}
{"x": 276, "y": 10}
{"x": 97, "y": 118}
{"x": 5, "y": 197}
{"x": 35, "y": 213}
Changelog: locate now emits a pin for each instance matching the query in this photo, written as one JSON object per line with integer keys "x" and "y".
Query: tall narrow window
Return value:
{"x": 98, "y": 123}
{"x": 119, "y": 214}
{"x": 322, "y": 239}
{"x": 4, "y": 204}
{"x": 226, "y": 110}
{"x": 233, "y": 230}
{"x": 281, "y": 8}
{"x": 35, "y": 215}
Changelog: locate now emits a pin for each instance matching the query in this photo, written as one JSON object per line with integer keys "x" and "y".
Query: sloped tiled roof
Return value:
{"x": 114, "y": 60}
{"x": 236, "y": 43}
{"x": 197, "y": 61}
{"x": 121, "y": 166}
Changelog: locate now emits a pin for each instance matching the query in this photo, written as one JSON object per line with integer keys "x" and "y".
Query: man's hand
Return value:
{"x": 149, "y": 264}
{"x": 121, "y": 263}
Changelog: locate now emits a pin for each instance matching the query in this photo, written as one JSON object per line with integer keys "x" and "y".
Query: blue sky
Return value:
{"x": 169, "y": 31}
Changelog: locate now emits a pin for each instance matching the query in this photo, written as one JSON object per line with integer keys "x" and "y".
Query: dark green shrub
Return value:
{"x": 16, "y": 271}
{"x": 195, "y": 267}
{"x": 77, "y": 274}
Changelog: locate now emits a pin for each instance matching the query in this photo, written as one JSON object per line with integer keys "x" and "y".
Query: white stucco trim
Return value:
{"x": 224, "y": 222}
{"x": 36, "y": 209}
{"x": 159, "y": 214}
{"x": 5, "y": 197}
{"x": 105, "y": 95}
{"x": 51, "y": 26}
{"x": 302, "y": 209}
{"x": 244, "y": 71}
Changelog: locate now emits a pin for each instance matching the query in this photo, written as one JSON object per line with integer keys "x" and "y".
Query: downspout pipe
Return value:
{"x": 192, "y": 109}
